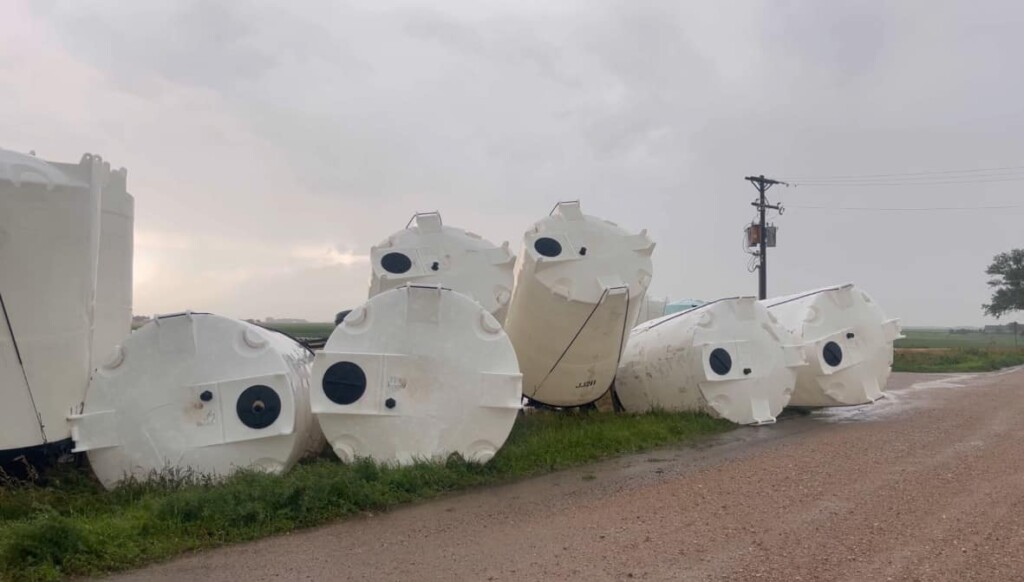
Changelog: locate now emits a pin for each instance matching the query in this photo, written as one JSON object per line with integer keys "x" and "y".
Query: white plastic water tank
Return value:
{"x": 428, "y": 253}
{"x": 49, "y": 247}
{"x": 417, "y": 373}
{"x": 579, "y": 284}
{"x": 199, "y": 394}
{"x": 113, "y": 307}
{"x": 728, "y": 358}
{"x": 651, "y": 308}
{"x": 847, "y": 341}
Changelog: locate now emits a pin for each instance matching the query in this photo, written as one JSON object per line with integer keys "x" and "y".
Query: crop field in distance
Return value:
{"x": 955, "y": 338}
{"x": 303, "y": 330}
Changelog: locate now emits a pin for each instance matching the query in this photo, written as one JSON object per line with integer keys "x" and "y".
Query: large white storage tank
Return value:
{"x": 427, "y": 252}
{"x": 49, "y": 247}
{"x": 579, "y": 284}
{"x": 728, "y": 358}
{"x": 197, "y": 394}
{"x": 847, "y": 341}
{"x": 417, "y": 373}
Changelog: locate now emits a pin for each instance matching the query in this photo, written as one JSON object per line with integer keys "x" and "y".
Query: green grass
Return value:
{"x": 957, "y": 359}
{"x": 941, "y": 338}
{"x": 70, "y": 526}
{"x": 306, "y": 330}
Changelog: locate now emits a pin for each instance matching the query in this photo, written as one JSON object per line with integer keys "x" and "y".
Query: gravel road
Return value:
{"x": 928, "y": 484}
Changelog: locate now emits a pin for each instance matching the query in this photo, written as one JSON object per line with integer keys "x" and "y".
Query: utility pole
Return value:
{"x": 763, "y": 185}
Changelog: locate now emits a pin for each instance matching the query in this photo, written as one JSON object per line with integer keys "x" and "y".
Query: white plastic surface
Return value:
{"x": 49, "y": 247}
{"x": 571, "y": 312}
{"x": 447, "y": 256}
{"x": 668, "y": 363}
{"x": 172, "y": 399}
{"x": 113, "y": 308}
{"x": 849, "y": 318}
{"x": 417, "y": 373}
{"x": 651, "y": 308}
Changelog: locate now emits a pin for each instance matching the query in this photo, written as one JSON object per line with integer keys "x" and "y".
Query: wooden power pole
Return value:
{"x": 763, "y": 185}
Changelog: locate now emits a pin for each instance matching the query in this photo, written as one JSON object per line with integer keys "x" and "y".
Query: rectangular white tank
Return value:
{"x": 49, "y": 248}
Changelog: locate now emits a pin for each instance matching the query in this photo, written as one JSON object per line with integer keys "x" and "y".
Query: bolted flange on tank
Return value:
{"x": 197, "y": 394}
{"x": 728, "y": 358}
{"x": 417, "y": 373}
{"x": 49, "y": 254}
{"x": 847, "y": 341}
{"x": 427, "y": 252}
{"x": 579, "y": 284}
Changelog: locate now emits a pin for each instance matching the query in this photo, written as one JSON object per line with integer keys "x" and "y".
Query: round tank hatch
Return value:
{"x": 833, "y": 354}
{"x": 721, "y": 361}
{"x": 344, "y": 383}
{"x": 547, "y": 247}
{"x": 258, "y": 406}
{"x": 396, "y": 263}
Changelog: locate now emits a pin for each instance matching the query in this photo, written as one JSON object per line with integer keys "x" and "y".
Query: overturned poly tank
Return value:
{"x": 579, "y": 284}
{"x": 49, "y": 250}
{"x": 427, "y": 252}
{"x": 847, "y": 341}
{"x": 197, "y": 394}
{"x": 417, "y": 373}
{"x": 727, "y": 358}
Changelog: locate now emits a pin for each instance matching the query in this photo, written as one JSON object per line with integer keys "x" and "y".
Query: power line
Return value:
{"x": 918, "y": 209}
{"x": 869, "y": 184}
{"x": 931, "y": 173}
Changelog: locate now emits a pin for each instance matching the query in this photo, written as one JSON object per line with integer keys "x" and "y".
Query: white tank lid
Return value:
{"x": 196, "y": 392}
{"x": 417, "y": 373}
{"x": 427, "y": 252}
{"x": 580, "y": 256}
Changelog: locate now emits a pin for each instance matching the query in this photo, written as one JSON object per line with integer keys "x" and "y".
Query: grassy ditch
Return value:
{"x": 956, "y": 359}
{"x": 70, "y": 526}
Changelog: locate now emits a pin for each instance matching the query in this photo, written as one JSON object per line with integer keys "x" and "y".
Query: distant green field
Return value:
{"x": 941, "y": 338}
{"x": 916, "y": 338}
{"x": 956, "y": 359}
{"x": 305, "y": 330}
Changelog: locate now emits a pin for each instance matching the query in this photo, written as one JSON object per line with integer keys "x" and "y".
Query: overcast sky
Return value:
{"x": 270, "y": 144}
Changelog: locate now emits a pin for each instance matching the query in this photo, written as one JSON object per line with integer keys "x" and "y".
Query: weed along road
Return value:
{"x": 926, "y": 485}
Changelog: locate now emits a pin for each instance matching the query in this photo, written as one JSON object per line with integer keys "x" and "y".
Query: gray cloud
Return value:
{"x": 325, "y": 125}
